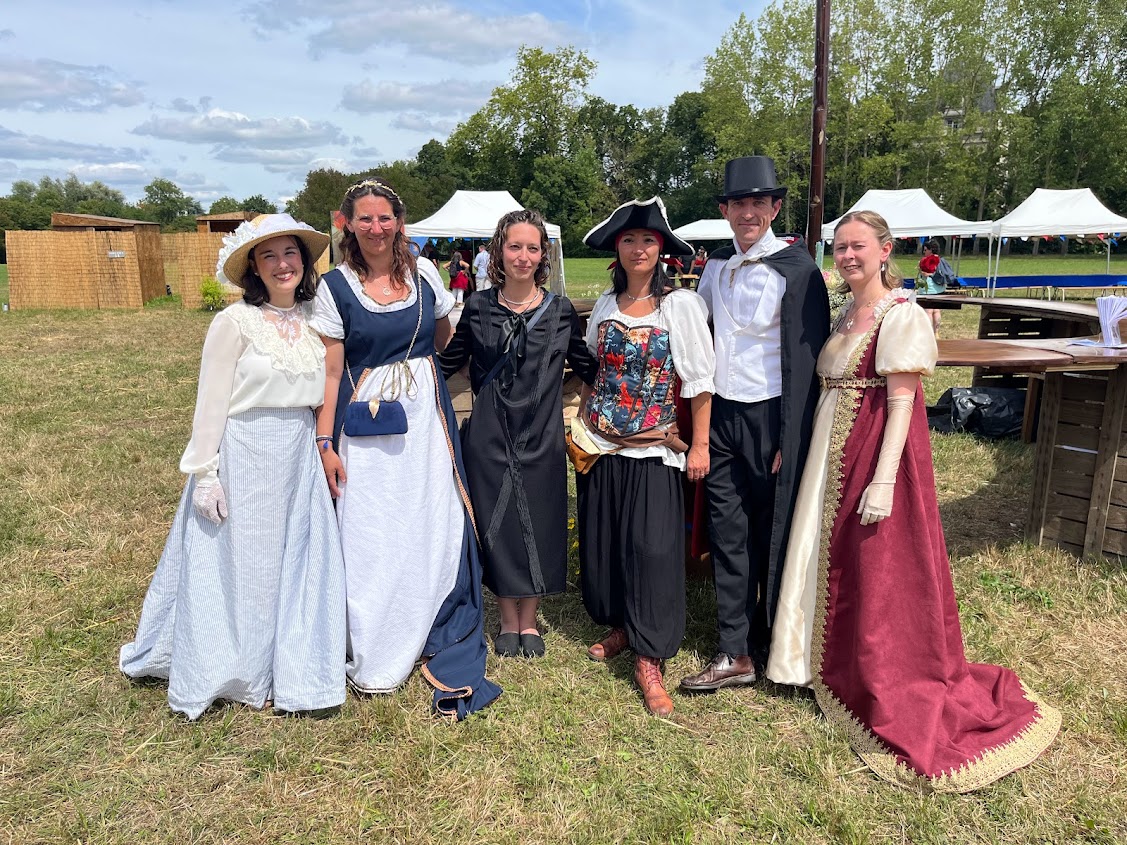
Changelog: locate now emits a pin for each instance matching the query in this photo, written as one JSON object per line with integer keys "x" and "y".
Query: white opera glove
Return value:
{"x": 209, "y": 500}
{"x": 876, "y": 501}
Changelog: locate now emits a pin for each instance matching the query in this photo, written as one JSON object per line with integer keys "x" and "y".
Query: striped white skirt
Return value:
{"x": 254, "y": 608}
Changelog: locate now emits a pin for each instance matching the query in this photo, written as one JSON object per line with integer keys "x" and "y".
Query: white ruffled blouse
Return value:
{"x": 253, "y": 357}
{"x": 685, "y": 316}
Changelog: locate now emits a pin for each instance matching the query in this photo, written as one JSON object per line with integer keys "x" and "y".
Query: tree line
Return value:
{"x": 977, "y": 101}
{"x": 29, "y": 205}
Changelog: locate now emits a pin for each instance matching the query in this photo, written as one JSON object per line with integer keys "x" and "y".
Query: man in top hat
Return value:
{"x": 770, "y": 315}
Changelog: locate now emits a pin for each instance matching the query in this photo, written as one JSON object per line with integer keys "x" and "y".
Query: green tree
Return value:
{"x": 319, "y": 197}
{"x": 258, "y": 204}
{"x": 533, "y": 115}
{"x": 224, "y": 205}
{"x": 168, "y": 205}
{"x": 569, "y": 191}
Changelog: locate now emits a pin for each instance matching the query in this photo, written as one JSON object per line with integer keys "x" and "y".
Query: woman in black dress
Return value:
{"x": 516, "y": 337}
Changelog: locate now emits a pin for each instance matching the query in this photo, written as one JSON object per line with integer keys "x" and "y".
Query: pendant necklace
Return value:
{"x": 386, "y": 291}
{"x": 853, "y": 316}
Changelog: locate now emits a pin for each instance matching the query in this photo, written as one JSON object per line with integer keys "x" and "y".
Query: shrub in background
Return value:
{"x": 212, "y": 293}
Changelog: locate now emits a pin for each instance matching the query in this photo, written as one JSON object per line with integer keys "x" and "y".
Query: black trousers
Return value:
{"x": 632, "y": 550}
{"x": 743, "y": 441}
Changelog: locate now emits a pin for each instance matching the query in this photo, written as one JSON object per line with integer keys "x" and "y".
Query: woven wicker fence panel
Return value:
{"x": 114, "y": 265}
{"x": 189, "y": 258}
{"x": 150, "y": 262}
{"x": 51, "y": 270}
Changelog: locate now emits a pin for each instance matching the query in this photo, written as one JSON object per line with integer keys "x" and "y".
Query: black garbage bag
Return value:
{"x": 991, "y": 412}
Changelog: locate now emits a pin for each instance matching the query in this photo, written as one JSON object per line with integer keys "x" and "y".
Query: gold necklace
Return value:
{"x": 853, "y": 316}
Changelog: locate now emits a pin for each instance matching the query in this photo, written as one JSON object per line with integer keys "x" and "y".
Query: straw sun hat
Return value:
{"x": 235, "y": 254}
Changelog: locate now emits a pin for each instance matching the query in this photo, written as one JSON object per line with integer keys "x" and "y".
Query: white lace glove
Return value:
{"x": 209, "y": 500}
{"x": 876, "y": 501}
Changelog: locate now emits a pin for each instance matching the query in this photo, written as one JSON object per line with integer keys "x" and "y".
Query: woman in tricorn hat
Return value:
{"x": 651, "y": 342}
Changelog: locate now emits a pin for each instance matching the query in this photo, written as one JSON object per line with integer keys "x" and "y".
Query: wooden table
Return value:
{"x": 1078, "y": 499}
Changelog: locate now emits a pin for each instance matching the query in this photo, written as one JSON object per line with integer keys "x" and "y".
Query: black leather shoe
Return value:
{"x": 724, "y": 670}
{"x": 507, "y": 645}
{"x": 531, "y": 645}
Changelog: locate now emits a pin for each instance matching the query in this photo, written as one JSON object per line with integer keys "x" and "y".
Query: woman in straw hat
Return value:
{"x": 650, "y": 343}
{"x": 247, "y": 602}
{"x": 867, "y": 613}
{"x": 390, "y": 450}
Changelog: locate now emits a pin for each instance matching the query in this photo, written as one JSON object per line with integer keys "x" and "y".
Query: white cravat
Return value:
{"x": 733, "y": 265}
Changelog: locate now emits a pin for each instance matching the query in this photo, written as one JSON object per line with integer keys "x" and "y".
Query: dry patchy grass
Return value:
{"x": 95, "y": 409}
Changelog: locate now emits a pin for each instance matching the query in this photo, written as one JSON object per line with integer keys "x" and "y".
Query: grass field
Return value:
{"x": 588, "y": 277}
{"x": 95, "y": 409}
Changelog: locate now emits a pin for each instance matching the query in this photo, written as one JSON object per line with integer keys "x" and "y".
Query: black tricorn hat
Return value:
{"x": 637, "y": 214}
{"x": 751, "y": 176}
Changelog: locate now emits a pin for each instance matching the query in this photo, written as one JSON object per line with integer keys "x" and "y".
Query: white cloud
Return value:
{"x": 445, "y": 97}
{"x": 434, "y": 29}
{"x": 120, "y": 173}
{"x": 286, "y": 159}
{"x": 417, "y": 122}
{"x": 38, "y": 148}
{"x": 6, "y": 34}
{"x": 217, "y": 126}
{"x": 45, "y": 85}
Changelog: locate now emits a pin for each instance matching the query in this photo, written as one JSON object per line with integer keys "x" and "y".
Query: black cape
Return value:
{"x": 805, "y": 323}
{"x": 513, "y": 443}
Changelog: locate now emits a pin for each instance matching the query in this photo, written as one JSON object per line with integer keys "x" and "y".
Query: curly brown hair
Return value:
{"x": 496, "y": 269}
{"x": 402, "y": 262}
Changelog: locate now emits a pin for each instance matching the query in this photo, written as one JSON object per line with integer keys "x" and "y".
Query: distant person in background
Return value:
{"x": 459, "y": 281}
{"x": 699, "y": 260}
{"x": 248, "y": 601}
{"x": 934, "y": 275}
{"x": 481, "y": 269}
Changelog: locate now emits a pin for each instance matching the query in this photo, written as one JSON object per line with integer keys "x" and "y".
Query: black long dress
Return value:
{"x": 513, "y": 444}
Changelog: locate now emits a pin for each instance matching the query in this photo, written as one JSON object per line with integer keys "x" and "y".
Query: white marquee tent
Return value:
{"x": 912, "y": 213}
{"x": 474, "y": 214}
{"x": 705, "y": 230}
{"x": 1051, "y": 212}
{"x": 470, "y": 214}
{"x": 1047, "y": 211}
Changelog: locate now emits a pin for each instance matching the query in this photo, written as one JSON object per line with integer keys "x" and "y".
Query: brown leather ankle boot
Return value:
{"x": 647, "y": 675}
{"x": 614, "y": 643}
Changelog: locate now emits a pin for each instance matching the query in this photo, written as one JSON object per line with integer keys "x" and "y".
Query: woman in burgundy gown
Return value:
{"x": 867, "y": 613}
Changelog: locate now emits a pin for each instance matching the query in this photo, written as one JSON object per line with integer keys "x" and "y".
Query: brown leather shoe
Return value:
{"x": 613, "y": 644}
{"x": 647, "y": 675}
{"x": 724, "y": 670}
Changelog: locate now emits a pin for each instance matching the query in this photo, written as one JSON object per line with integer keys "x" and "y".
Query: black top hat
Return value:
{"x": 637, "y": 214}
{"x": 750, "y": 176}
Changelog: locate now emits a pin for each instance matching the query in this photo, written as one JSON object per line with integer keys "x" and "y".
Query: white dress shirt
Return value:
{"x": 745, "y": 298}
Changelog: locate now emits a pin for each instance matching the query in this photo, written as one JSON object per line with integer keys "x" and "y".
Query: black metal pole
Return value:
{"x": 818, "y": 127}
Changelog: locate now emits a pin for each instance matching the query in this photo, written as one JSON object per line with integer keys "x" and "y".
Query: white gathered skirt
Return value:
{"x": 254, "y": 608}
{"x": 401, "y": 525}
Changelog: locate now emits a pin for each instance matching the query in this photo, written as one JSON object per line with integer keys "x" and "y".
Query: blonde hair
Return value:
{"x": 890, "y": 275}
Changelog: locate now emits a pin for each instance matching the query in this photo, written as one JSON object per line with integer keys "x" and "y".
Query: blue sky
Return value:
{"x": 244, "y": 97}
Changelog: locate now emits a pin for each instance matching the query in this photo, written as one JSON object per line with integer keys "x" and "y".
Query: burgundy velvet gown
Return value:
{"x": 883, "y": 647}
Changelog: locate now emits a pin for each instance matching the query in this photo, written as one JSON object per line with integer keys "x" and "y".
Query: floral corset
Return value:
{"x": 635, "y": 387}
